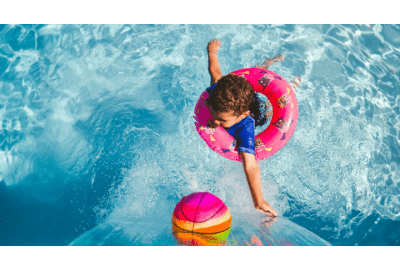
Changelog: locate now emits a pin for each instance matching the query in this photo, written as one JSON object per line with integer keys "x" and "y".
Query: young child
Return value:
{"x": 230, "y": 99}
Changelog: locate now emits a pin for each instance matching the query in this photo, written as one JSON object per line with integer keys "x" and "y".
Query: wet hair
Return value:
{"x": 232, "y": 93}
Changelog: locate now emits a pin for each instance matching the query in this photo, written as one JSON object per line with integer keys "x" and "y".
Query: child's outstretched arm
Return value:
{"x": 213, "y": 64}
{"x": 253, "y": 176}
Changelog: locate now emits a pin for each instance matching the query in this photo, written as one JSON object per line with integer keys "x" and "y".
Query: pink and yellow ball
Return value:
{"x": 201, "y": 219}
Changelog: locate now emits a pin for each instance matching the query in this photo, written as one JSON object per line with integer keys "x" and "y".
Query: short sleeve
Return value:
{"x": 245, "y": 137}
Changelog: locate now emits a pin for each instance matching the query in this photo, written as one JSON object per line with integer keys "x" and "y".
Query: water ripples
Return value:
{"x": 95, "y": 106}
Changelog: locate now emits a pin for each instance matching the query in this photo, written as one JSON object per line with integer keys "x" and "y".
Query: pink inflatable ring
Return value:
{"x": 274, "y": 137}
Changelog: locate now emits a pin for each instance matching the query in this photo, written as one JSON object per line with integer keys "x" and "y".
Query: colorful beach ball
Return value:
{"x": 201, "y": 219}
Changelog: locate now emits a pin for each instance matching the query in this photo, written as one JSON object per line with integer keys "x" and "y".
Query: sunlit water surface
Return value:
{"x": 98, "y": 143}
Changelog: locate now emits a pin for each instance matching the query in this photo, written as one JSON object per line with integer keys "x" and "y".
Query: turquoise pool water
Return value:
{"x": 98, "y": 143}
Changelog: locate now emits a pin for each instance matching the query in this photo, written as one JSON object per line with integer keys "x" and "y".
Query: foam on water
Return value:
{"x": 97, "y": 127}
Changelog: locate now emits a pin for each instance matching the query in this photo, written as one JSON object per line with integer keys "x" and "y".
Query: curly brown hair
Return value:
{"x": 232, "y": 92}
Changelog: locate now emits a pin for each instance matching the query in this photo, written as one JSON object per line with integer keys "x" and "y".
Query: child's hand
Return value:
{"x": 265, "y": 208}
{"x": 213, "y": 46}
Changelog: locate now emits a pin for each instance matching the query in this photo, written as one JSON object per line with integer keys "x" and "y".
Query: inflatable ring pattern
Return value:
{"x": 274, "y": 137}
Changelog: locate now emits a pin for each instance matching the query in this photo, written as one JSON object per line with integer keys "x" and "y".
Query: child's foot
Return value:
{"x": 269, "y": 62}
{"x": 295, "y": 82}
{"x": 268, "y": 105}
{"x": 278, "y": 57}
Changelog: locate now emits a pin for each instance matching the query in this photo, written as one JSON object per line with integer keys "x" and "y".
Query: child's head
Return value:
{"x": 231, "y": 100}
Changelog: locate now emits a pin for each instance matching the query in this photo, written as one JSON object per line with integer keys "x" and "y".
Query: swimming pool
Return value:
{"x": 98, "y": 130}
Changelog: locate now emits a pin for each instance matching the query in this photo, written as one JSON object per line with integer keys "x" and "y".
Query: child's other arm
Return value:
{"x": 253, "y": 176}
{"x": 213, "y": 64}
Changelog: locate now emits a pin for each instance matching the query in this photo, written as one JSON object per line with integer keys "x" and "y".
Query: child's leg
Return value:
{"x": 269, "y": 62}
{"x": 295, "y": 82}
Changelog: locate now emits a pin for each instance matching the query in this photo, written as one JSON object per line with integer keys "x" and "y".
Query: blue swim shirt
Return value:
{"x": 243, "y": 132}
